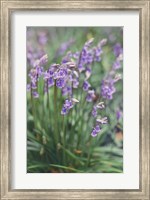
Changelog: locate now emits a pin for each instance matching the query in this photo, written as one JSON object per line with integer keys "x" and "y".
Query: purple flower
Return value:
{"x": 97, "y": 51}
{"x": 86, "y": 85}
{"x": 116, "y": 65}
{"x": 94, "y": 111}
{"x": 107, "y": 89}
{"x": 90, "y": 96}
{"x": 68, "y": 104}
{"x": 118, "y": 114}
{"x": 117, "y": 49}
{"x": 64, "y": 111}
{"x": 28, "y": 87}
{"x": 88, "y": 72}
{"x": 81, "y": 67}
{"x": 75, "y": 83}
{"x": 33, "y": 85}
{"x": 97, "y": 128}
{"x": 67, "y": 90}
{"x": 95, "y": 131}
{"x": 67, "y": 58}
{"x": 39, "y": 70}
{"x": 62, "y": 73}
{"x": 50, "y": 82}
{"x": 51, "y": 72}
{"x": 42, "y": 38}
{"x": 60, "y": 83}
{"x": 44, "y": 59}
{"x": 35, "y": 94}
{"x": 46, "y": 75}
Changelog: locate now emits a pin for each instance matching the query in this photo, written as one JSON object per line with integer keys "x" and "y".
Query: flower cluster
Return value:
{"x": 35, "y": 73}
{"x": 108, "y": 84}
{"x": 118, "y": 52}
{"x": 97, "y": 128}
{"x": 99, "y": 121}
{"x": 108, "y": 88}
{"x": 66, "y": 77}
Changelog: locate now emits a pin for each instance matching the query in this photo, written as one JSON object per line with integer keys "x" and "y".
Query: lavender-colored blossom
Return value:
{"x": 94, "y": 111}
{"x": 75, "y": 83}
{"x": 97, "y": 53}
{"x": 88, "y": 72}
{"x": 60, "y": 83}
{"x": 46, "y": 75}
{"x": 42, "y": 38}
{"x": 116, "y": 65}
{"x": 44, "y": 59}
{"x": 117, "y": 49}
{"x": 69, "y": 103}
{"x": 62, "y": 73}
{"x": 76, "y": 55}
{"x": 67, "y": 90}
{"x": 33, "y": 85}
{"x": 67, "y": 58}
{"x": 86, "y": 85}
{"x": 90, "y": 96}
{"x": 28, "y": 87}
{"x": 95, "y": 131}
{"x": 118, "y": 114}
{"x": 50, "y": 82}
{"x": 97, "y": 128}
{"x": 51, "y": 71}
{"x": 35, "y": 94}
{"x": 81, "y": 67}
{"x": 33, "y": 54}
{"x": 107, "y": 89}
{"x": 64, "y": 111}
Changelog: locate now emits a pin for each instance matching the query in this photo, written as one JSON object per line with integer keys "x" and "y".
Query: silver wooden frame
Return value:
{"x": 9, "y": 6}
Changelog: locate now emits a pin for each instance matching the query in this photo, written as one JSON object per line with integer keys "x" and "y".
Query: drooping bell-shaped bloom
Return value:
{"x": 95, "y": 131}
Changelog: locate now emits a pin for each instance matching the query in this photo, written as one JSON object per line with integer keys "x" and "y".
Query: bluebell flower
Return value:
{"x": 60, "y": 83}
{"x": 107, "y": 89}
{"x": 86, "y": 85}
{"x": 90, "y": 96}
{"x": 94, "y": 111}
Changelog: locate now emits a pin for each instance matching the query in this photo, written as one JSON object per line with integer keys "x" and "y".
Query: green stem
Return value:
{"x": 64, "y": 139}
{"x": 89, "y": 152}
{"x": 55, "y": 115}
{"x": 48, "y": 103}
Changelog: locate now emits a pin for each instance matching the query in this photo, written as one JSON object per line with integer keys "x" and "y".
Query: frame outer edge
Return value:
{"x": 5, "y": 102}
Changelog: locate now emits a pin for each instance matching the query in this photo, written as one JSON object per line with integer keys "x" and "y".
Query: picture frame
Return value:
{"x": 7, "y": 8}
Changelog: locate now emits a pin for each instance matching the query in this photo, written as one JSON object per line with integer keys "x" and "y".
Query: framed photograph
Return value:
{"x": 75, "y": 99}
